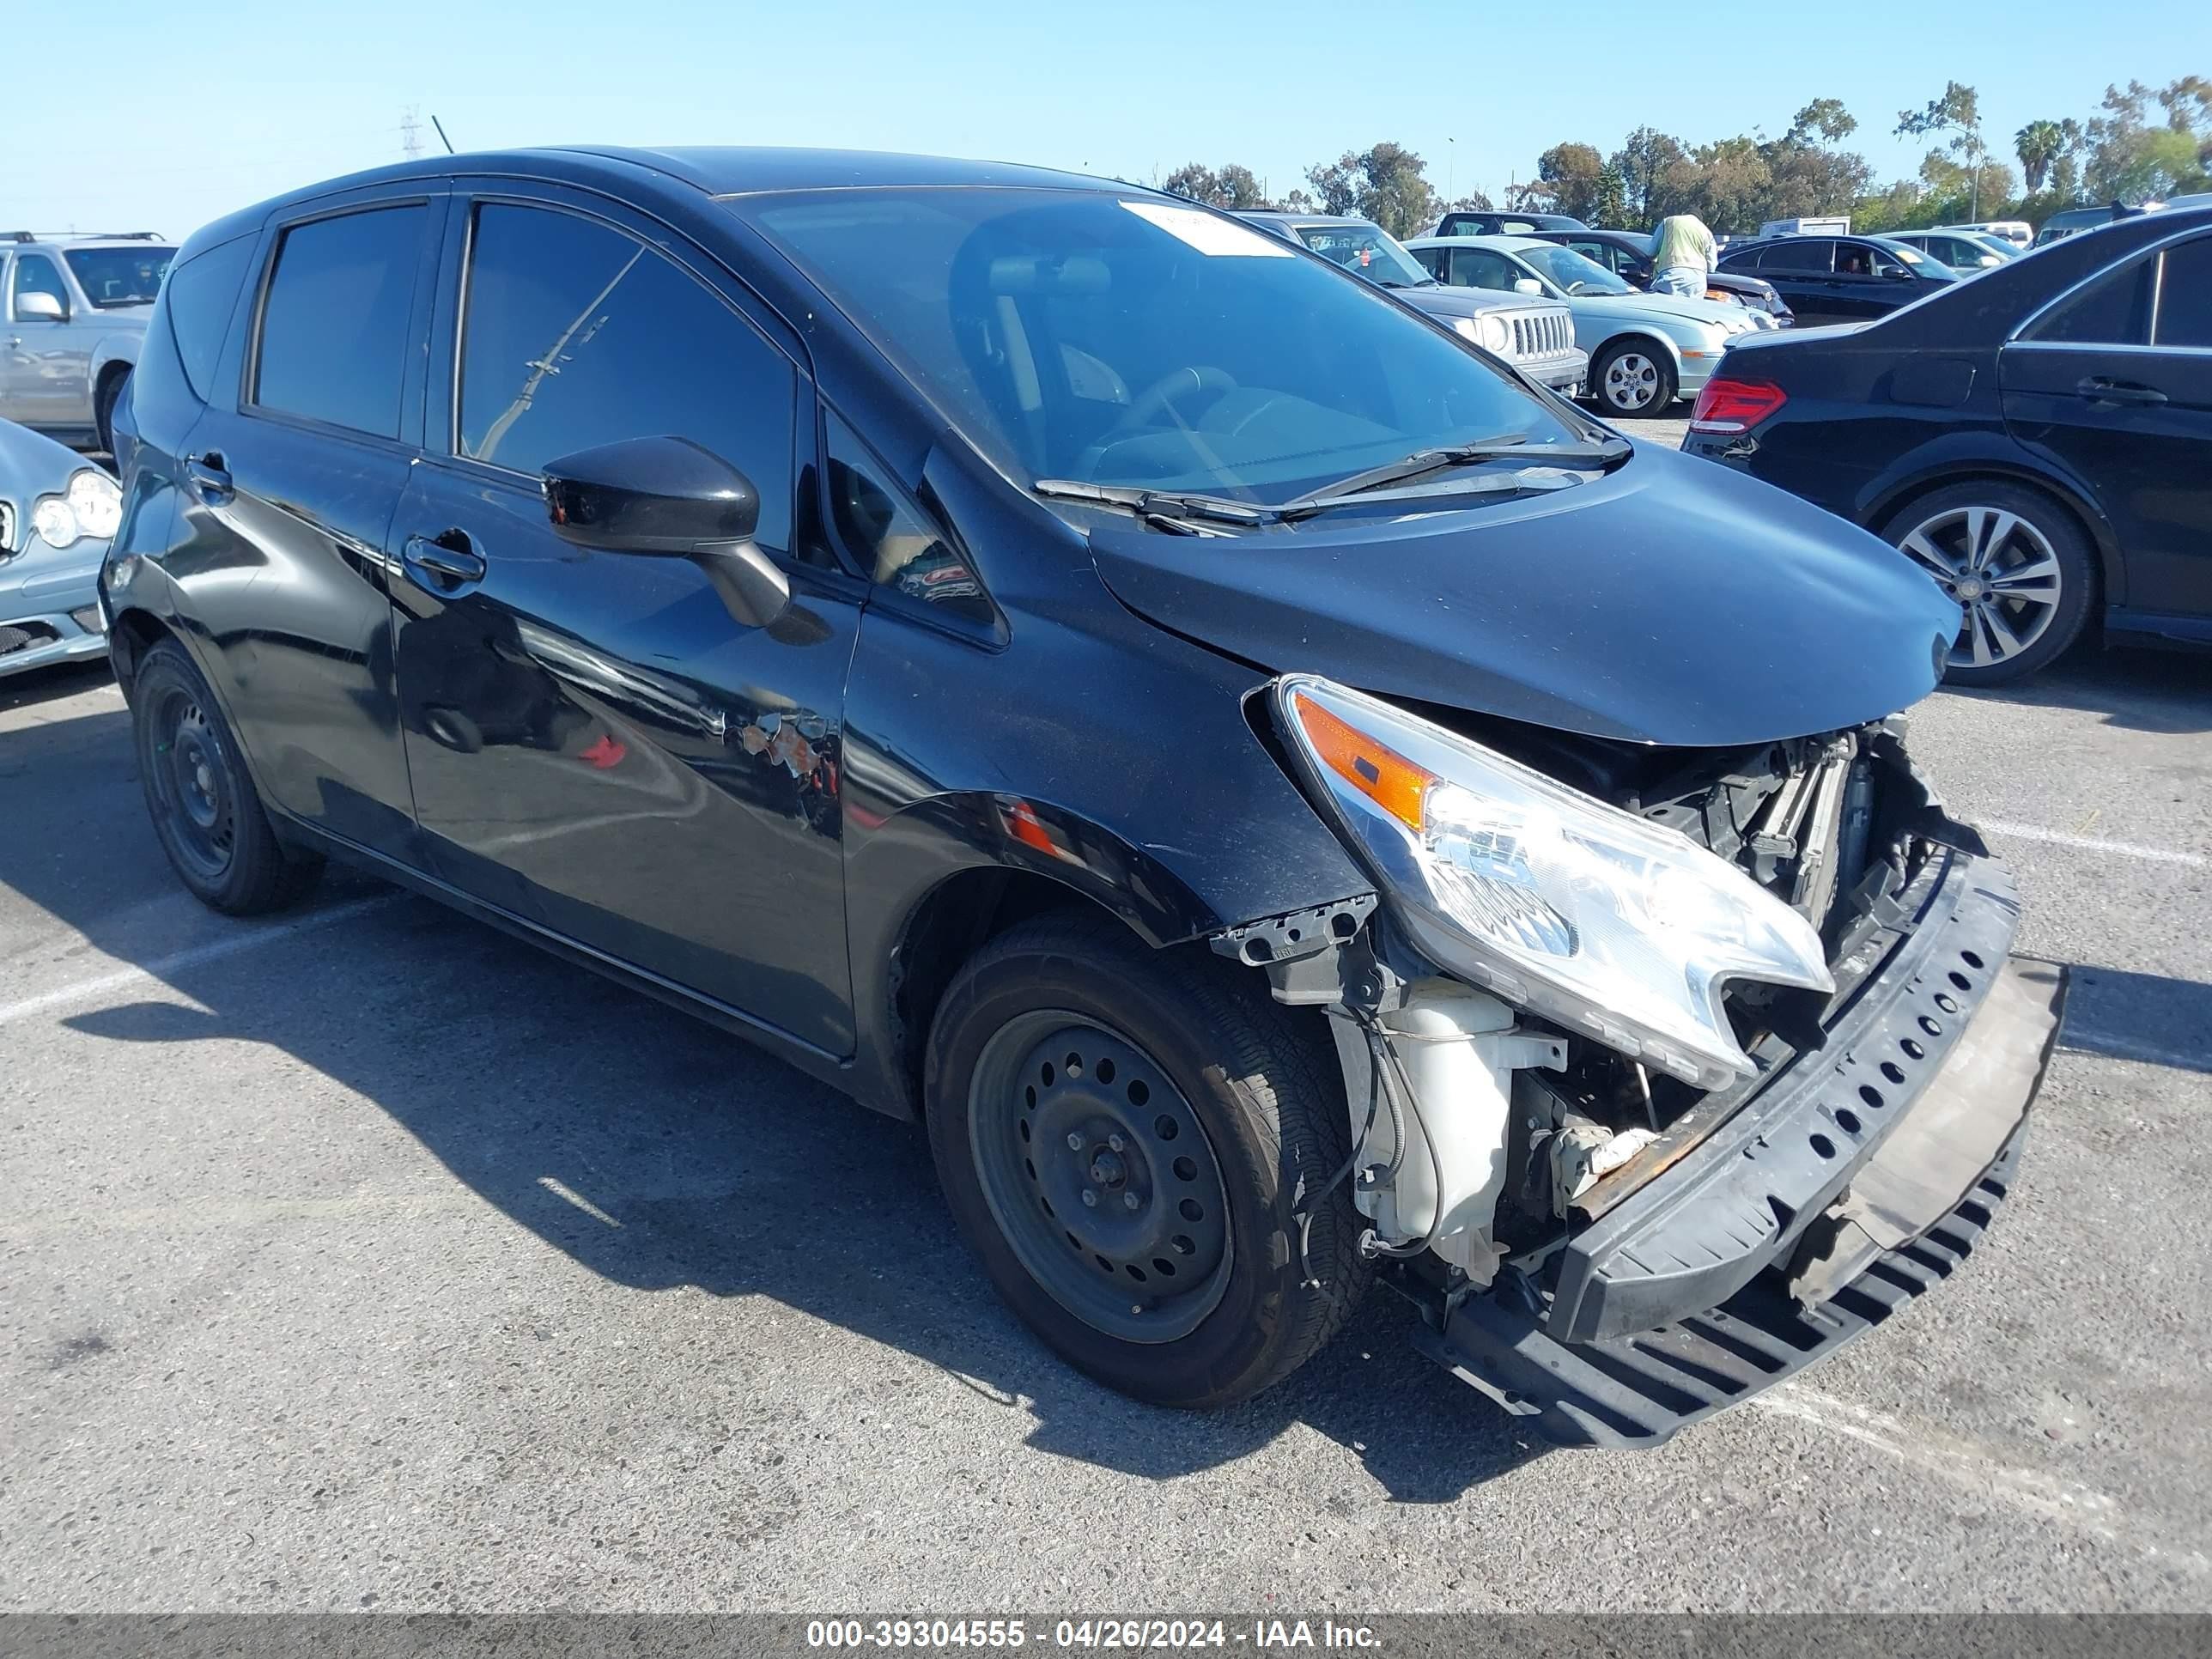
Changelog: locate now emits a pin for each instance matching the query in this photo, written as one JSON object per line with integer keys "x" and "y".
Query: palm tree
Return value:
{"x": 2040, "y": 145}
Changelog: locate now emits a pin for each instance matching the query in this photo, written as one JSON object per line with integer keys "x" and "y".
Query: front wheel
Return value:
{"x": 1633, "y": 377}
{"x": 1135, "y": 1144}
{"x": 109, "y": 394}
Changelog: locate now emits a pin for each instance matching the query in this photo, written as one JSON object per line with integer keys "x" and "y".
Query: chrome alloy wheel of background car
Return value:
{"x": 2002, "y": 571}
{"x": 189, "y": 780}
{"x": 1100, "y": 1176}
{"x": 1631, "y": 381}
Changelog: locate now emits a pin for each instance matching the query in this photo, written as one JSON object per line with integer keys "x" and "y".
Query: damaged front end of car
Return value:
{"x": 1669, "y": 1071}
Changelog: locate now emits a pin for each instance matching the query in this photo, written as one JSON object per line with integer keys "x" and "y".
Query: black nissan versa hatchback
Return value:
{"x": 1285, "y": 801}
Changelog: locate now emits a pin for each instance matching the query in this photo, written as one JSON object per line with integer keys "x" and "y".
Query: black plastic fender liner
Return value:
{"x": 1737, "y": 1202}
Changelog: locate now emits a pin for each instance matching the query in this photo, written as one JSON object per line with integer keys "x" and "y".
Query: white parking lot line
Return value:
{"x": 198, "y": 956}
{"x": 2129, "y": 849}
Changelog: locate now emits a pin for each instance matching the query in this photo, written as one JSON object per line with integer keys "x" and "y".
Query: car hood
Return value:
{"x": 1443, "y": 301}
{"x": 1631, "y": 308}
{"x": 1670, "y": 602}
{"x": 32, "y": 465}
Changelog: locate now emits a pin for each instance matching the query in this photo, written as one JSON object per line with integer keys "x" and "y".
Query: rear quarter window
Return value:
{"x": 2114, "y": 309}
{"x": 197, "y": 299}
{"x": 2184, "y": 296}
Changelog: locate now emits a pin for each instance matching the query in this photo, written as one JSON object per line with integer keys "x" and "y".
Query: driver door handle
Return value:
{"x": 443, "y": 563}
{"x": 2103, "y": 389}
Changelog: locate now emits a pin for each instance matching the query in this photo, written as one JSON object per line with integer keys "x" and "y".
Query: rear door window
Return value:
{"x": 575, "y": 334}
{"x": 333, "y": 343}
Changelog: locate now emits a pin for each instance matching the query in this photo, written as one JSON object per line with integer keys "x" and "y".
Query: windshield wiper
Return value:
{"x": 1423, "y": 462}
{"x": 1180, "y": 511}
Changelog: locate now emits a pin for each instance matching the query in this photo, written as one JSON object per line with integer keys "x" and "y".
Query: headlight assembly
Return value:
{"x": 1615, "y": 926}
{"x": 91, "y": 505}
{"x": 1496, "y": 333}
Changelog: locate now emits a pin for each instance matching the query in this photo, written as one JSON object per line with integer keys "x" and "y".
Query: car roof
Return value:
{"x": 91, "y": 238}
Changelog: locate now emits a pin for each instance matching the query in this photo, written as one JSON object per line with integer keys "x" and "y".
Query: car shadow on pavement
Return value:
{"x": 43, "y": 685}
{"x": 658, "y": 1152}
{"x": 2148, "y": 1018}
{"x": 2136, "y": 687}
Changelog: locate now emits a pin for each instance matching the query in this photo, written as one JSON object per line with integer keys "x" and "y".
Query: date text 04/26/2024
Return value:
{"x": 1114, "y": 1635}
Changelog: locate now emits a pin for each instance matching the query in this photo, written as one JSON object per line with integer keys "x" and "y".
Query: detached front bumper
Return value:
{"x": 1843, "y": 1184}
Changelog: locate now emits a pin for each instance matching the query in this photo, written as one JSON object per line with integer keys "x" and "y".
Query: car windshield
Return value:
{"x": 1084, "y": 336}
{"x": 1366, "y": 249}
{"x": 1570, "y": 273}
{"x": 119, "y": 275}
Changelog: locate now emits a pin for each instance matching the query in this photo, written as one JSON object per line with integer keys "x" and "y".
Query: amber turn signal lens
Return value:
{"x": 1377, "y": 771}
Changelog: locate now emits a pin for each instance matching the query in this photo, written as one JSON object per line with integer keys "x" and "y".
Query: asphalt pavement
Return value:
{"x": 365, "y": 1258}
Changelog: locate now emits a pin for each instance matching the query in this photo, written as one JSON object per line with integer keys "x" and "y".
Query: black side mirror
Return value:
{"x": 667, "y": 497}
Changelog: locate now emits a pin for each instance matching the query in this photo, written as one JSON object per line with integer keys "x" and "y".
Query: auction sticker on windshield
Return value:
{"x": 1208, "y": 234}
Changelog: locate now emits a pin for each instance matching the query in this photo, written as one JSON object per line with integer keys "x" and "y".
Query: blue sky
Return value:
{"x": 194, "y": 111}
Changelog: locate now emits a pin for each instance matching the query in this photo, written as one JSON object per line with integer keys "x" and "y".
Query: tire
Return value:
{"x": 104, "y": 400}
{"x": 206, "y": 812}
{"x": 1633, "y": 378}
{"x": 2023, "y": 619}
{"x": 1193, "y": 1086}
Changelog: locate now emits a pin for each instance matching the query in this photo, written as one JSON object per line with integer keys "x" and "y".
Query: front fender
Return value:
{"x": 121, "y": 347}
{"x": 1646, "y": 333}
{"x": 1115, "y": 760}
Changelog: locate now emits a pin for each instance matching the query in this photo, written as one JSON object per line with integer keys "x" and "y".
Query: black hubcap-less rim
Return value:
{"x": 1100, "y": 1176}
{"x": 188, "y": 774}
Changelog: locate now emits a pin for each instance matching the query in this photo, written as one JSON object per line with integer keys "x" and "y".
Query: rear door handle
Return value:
{"x": 443, "y": 565}
{"x": 2101, "y": 389}
{"x": 208, "y": 479}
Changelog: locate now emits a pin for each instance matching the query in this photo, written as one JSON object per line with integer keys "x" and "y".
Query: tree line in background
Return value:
{"x": 2145, "y": 143}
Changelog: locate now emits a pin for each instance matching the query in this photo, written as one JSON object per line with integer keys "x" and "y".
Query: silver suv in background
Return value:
{"x": 73, "y": 309}
{"x": 1536, "y": 336}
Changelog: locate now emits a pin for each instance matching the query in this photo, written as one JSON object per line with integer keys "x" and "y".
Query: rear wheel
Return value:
{"x": 2020, "y": 567}
{"x": 206, "y": 809}
{"x": 1129, "y": 1139}
{"x": 1633, "y": 377}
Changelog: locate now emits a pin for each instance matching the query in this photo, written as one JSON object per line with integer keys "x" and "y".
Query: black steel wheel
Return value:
{"x": 205, "y": 811}
{"x": 1099, "y": 1175}
{"x": 1129, "y": 1139}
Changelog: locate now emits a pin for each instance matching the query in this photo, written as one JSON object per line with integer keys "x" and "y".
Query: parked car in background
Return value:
{"x": 76, "y": 311}
{"x": 1469, "y": 221}
{"x": 1536, "y": 336}
{"x": 57, "y": 511}
{"x": 1835, "y": 225}
{"x": 2014, "y": 232}
{"x": 1628, "y": 256}
{"x": 1967, "y": 252}
{"x": 1840, "y": 279}
{"x": 2071, "y": 222}
{"x": 1645, "y": 350}
{"x": 1089, "y": 857}
{"x": 2039, "y": 439}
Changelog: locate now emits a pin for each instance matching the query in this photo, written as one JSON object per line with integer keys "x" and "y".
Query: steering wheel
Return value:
{"x": 1199, "y": 377}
